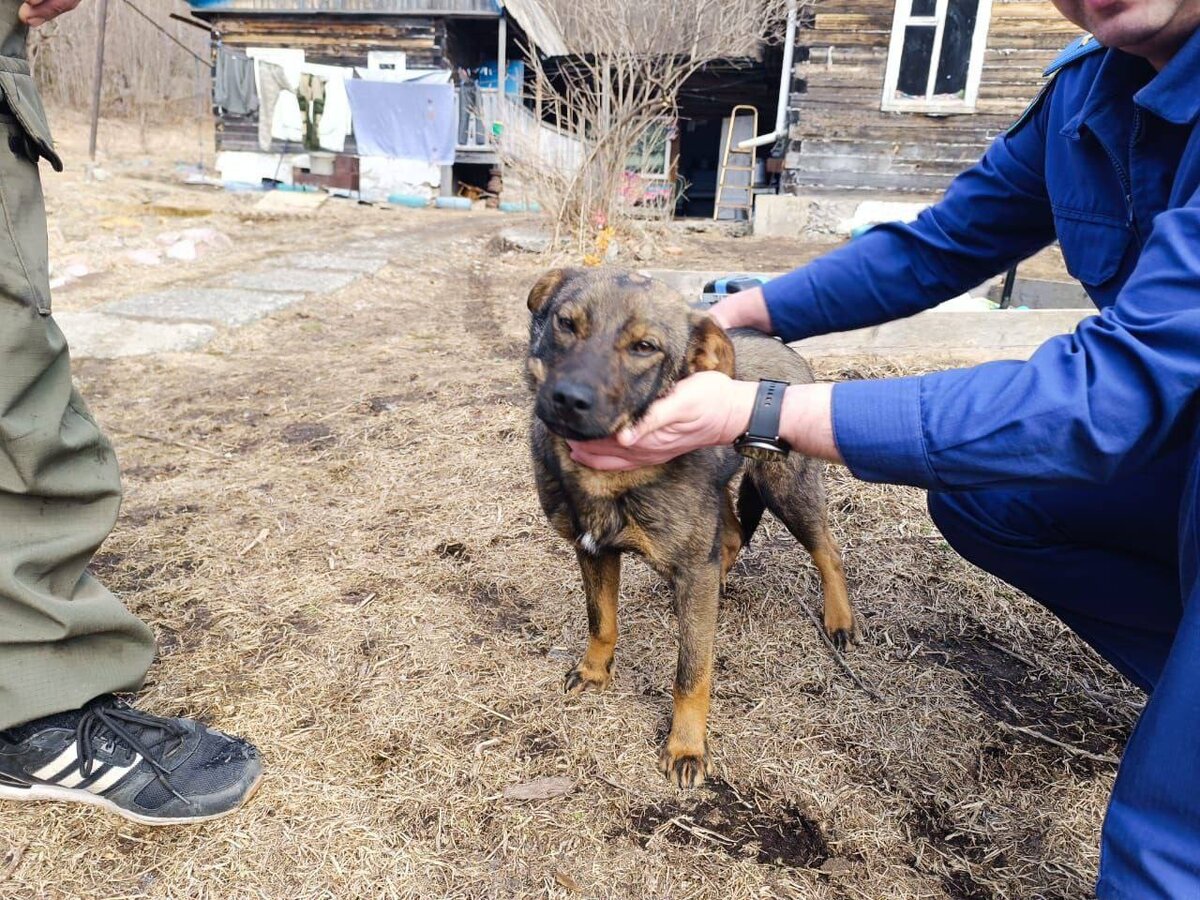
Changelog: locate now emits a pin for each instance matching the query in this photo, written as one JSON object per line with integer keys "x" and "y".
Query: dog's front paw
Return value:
{"x": 686, "y": 767}
{"x": 843, "y": 632}
{"x": 587, "y": 678}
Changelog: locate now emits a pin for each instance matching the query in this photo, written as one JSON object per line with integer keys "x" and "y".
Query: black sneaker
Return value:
{"x": 149, "y": 769}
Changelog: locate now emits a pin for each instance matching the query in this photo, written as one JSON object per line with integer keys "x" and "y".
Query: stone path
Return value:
{"x": 187, "y": 318}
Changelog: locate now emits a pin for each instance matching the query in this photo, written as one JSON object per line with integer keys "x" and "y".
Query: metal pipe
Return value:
{"x": 98, "y": 77}
{"x": 785, "y": 84}
{"x": 502, "y": 54}
{"x": 1010, "y": 282}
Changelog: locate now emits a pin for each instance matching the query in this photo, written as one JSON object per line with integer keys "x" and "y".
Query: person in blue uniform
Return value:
{"x": 1075, "y": 475}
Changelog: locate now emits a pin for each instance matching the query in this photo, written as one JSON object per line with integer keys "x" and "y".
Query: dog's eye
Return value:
{"x": 566, "y": 323}
{"x": 645, "y": 347}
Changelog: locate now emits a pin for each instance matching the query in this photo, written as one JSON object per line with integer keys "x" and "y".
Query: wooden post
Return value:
{"x": 98, "y": 77}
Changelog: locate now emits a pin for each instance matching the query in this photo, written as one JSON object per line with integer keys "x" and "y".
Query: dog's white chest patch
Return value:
{"x": 588, "y": 543}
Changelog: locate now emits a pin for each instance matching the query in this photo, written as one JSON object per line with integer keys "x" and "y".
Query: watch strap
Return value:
{"x": 768, "y": 408}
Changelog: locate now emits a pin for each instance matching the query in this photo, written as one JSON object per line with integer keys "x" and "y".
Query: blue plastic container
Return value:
{"x": 408, "y": 200}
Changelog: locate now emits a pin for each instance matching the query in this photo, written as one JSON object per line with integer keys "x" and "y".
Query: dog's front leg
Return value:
{"x": 685, "y": 758}
{"x": 601, "y": 585}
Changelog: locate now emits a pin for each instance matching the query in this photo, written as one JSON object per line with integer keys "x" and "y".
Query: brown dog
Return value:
{"x": 603, "y": 345}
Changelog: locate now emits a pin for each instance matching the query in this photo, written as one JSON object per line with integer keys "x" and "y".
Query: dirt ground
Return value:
{"x": 331, "y": 525}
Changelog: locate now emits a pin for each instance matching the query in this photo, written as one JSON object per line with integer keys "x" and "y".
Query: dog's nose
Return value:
{"x": 572, "y": 397}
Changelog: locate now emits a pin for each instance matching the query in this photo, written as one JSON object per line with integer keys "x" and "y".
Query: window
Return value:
{"x": 387, "y": 60}
{"x": 936, "y": 55}
{"x": 650, "y": 156}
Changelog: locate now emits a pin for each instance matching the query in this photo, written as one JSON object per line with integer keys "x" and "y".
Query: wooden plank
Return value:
{"x": 866, "y": 37}
{"x": 850, "y": 21}
{"x": 911, "y": 151}
{"x": 1024, "y": 10}
{"x": 856, "y": 180}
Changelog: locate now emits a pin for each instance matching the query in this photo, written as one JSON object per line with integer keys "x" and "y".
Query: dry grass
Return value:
{"x": 351, "y": 569}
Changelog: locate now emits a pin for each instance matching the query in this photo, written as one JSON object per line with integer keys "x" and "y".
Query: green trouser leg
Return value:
{"x": 64, "y": 638}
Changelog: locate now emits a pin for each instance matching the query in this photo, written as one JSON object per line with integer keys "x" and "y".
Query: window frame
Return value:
{"x": 901, "y": 20}
{"x": 668, "y": 125}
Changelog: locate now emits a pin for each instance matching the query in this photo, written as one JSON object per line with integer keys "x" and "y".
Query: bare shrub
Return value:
{"x": 616, "y": 97}
{"x": 146, "y": 75}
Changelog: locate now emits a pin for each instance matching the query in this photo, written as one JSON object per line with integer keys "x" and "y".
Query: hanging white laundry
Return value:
{"x": 290, "y": 60}
{"x": 286, "y": 120}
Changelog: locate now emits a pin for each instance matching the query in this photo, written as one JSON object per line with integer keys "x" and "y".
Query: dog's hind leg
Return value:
{"x": 601, "y": 585}
{"x": 797, "y": 498}
{"x": 731, "y": 536}
{"x": 685, "y": 758}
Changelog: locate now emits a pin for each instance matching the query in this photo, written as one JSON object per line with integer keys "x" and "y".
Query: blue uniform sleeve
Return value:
{"x": 992, "y": 215}
{"x": 1085, "y": 408}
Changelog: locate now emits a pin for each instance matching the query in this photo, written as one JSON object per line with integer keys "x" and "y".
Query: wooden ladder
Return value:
{"x": 731, "y": 160}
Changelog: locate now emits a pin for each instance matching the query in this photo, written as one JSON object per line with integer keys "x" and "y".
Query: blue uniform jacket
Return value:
{"x": 1107, "y": 161}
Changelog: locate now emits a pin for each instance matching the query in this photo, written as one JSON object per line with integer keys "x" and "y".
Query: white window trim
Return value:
{"x": 668, "y": 160}
{"x": 902, "y": 19}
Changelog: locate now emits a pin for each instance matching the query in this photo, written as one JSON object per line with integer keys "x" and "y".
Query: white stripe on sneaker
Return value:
{"x": 58, "y": 766}
{"x": 110, "y": 778}
{"x": 72, "y": 779}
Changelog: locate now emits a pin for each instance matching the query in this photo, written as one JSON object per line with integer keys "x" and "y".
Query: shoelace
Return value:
{"x": 105, "y": 715}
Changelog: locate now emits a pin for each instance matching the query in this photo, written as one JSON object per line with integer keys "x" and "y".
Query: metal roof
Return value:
{"x": 539, "y": 26}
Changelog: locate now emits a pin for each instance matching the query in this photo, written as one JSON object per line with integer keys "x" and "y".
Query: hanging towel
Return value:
{"x": 335, "y": 122}
{"x": 404, "y": 121}
{"x": 233, "y": 84}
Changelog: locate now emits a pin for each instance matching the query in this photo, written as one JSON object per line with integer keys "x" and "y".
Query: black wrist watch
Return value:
{"x": 761, "y": 440}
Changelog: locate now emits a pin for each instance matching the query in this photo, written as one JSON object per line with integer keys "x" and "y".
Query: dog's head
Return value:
{"x": 605, "y": 343}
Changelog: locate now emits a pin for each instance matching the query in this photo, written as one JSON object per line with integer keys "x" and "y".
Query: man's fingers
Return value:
{"x": 660, "y": 413}
{"x": 601, "y": 461}
{"x": 38, "y": 12}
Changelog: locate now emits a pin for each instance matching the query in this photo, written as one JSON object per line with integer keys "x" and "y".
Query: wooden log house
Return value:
{"x": 902, "y": 95}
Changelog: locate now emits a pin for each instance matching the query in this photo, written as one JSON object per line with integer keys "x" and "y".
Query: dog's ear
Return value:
{"x": 709, "y": 347}
{"x": 546, "y": 287}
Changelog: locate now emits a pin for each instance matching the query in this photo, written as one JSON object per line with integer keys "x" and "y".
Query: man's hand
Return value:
{"x": 38, "y": 12}
{"x": 707, "y": 409}
{"x": 745, "y": 309}
{"x": 710, "y": 410}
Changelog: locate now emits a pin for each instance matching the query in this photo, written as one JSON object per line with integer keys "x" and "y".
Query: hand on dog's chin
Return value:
{"x": 704, "y": 410}
{"x": 602, "y": 455}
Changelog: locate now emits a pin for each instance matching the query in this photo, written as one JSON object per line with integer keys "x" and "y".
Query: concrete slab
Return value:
{"x": 780, "y": 215}
{"x": 342, "y": 262}
{"x": 997, "y": 334}
{"x": 224, "y": 306}
{"x": 522, "y": 240}
{"x": 100, "y": 336}
{"x": 387, "y": 247}
{"x": 291, "y": 280}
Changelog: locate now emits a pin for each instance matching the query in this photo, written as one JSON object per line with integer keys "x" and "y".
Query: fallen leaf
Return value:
{"x": 539, "y": 789}
{"x": 568, "y": 882}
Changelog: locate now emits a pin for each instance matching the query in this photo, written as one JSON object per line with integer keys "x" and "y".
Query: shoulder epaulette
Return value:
{"x": 1077, "y": 49}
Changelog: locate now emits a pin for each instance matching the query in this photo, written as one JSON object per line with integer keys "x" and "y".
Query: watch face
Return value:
{"x": 761, "y": 450}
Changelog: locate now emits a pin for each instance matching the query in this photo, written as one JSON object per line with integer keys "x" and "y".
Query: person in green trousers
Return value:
{"x": 67, "y": 645}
